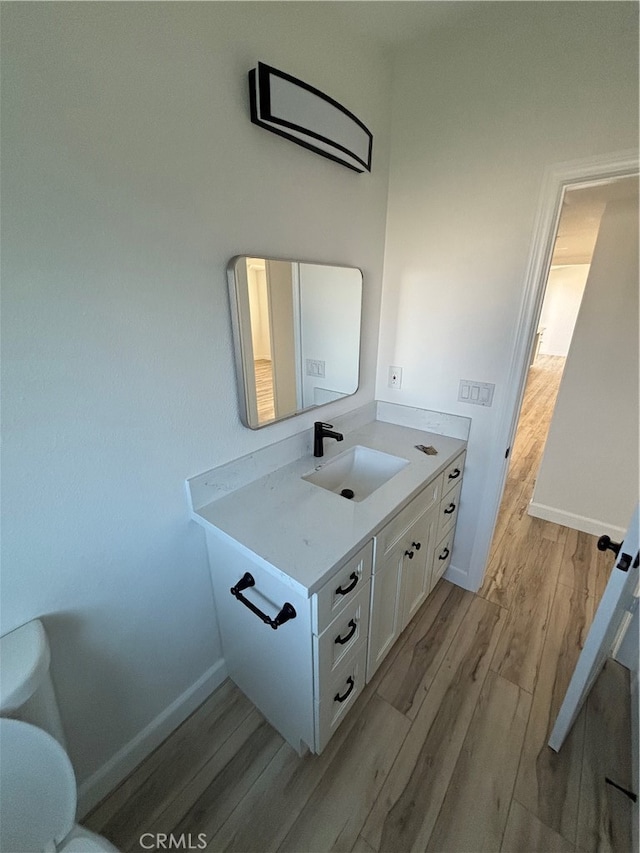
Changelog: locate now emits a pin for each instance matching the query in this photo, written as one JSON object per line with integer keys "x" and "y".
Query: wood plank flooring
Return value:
{"x": 445, "y": 749}
{"x": 264, "y": 390}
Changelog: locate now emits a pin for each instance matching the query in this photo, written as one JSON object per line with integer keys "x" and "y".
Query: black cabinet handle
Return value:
{"x": 409, "y": 554}
{"x": 444, "y": 554}
{"x": 352, "y": 684}
{"x": 354, "y": 580}
{"x": 449, "y": 509}
{"x": 286, "y": 613}
{"x": 343, "y": 640}
{"x": 454, "y": 474}
{"x": 605, "y": 544}
{"x": 416, "y": 545}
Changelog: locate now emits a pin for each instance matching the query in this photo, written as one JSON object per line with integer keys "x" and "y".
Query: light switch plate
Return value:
{"x": 478, "y": 393}
{"x": 315, "y": 367}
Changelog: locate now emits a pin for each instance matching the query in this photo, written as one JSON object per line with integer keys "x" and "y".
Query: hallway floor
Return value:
{"x": 445, "y": 750}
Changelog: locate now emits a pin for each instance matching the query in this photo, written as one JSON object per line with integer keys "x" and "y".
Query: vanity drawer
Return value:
{"x": 442, "y": 557}
{"x": 449, "y": 511}
{"x": 340, "y": 639}
{"x": 342, "y": 589}
{"x": 453, "y": 473}
{"x": 340, "y": 695}
{"x": 398, "y": 526}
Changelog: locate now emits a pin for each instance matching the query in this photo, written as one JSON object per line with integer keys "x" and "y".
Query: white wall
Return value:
{"x": 588, "y": 478}
{"x": 480, "y": 110}
{"x": 565, "y": 286}
{"x": 129, "y": 171}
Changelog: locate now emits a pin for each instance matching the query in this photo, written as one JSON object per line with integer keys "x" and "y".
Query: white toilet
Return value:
{"x": 38, "y": 794}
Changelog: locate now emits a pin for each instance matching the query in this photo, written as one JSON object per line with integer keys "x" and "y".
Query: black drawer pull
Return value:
{"x": 451, "y": 508}
{"x": 343, "y": 640}
{"x": 409, "y": 554}
{"x": 454, "y": 474}
{"x": 352, "y": 684}
{"x": 354, "y": 578}
{"x": 416, "y": 545}
{"x": 286, "y": 613}
{"x": 444, "y": 554}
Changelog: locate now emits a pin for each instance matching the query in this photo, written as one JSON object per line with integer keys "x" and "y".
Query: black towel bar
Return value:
{"x": 286, "y": 613}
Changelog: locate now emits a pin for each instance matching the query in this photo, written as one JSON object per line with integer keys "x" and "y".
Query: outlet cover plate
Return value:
{"x": 395, "y": 378}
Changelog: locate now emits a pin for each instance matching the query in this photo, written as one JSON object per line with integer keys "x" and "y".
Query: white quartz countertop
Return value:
{"x": 304, "y": 532}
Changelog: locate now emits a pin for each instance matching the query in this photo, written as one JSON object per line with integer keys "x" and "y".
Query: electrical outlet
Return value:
{"x": 395, "y": 378}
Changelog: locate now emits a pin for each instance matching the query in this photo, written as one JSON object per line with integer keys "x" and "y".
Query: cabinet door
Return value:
{"x": 342, "y": 691}
{"x": 384, "y": 622}
{"x": 416, "y": 565}
{"x": 342, "y": 589}
{"x": 449, "y": 511}
{"x": 441, "y": 558}
{"x": 453, "y": 473}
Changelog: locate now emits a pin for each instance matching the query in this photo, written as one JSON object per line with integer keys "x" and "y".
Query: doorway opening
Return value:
{"x": 566, "y": 279}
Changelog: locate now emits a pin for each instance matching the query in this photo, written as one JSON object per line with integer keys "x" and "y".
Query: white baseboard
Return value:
{"x": 120, "y": 765}
{"x": 577, "y": 522}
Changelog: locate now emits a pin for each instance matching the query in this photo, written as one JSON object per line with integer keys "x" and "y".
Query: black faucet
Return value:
{"x": 320, "y": 431}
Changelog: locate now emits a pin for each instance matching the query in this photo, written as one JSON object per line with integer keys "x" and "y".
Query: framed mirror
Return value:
{"x": 296, "y": 329}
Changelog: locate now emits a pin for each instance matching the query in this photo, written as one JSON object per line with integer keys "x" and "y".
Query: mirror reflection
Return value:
{"x": 296, "y": 334}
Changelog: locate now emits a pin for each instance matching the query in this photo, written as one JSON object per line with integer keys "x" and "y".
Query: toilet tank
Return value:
{"x": 26, "y": 689}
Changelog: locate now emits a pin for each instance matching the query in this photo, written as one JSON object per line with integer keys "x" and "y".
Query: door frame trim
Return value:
{"x": 556, "y": 180}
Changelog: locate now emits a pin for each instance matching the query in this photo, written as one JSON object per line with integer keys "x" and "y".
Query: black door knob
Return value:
{"x": 605, "y": 544}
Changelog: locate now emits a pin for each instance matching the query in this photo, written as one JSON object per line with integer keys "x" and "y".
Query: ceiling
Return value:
{"x": 580, "y": 219}
{"x": 391, "y": 23}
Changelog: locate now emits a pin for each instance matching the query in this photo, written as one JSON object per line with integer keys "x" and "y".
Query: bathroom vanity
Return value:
{"x": 313, "y": 589}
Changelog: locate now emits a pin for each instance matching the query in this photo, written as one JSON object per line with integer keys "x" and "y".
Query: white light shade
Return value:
{"x": 299, "y": 112}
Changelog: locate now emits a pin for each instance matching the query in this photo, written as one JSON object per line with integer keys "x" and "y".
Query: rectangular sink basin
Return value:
{"x": 356, "y": 473}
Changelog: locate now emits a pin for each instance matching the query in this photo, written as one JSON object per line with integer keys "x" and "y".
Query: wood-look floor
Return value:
{"x": 446, "y": 748}
{"x": 264, "y": 390}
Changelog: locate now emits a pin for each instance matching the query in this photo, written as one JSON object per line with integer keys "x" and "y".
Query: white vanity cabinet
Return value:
{"x": 272, "y": 667}
{"x": 412, "y": 552}
{"x": 353, "y": 573}
{"x": 305, "y": 674}
{"x": 402, "y": 571}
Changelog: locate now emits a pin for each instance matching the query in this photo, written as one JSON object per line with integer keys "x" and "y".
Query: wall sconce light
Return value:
{"x": 305, "y": 115}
